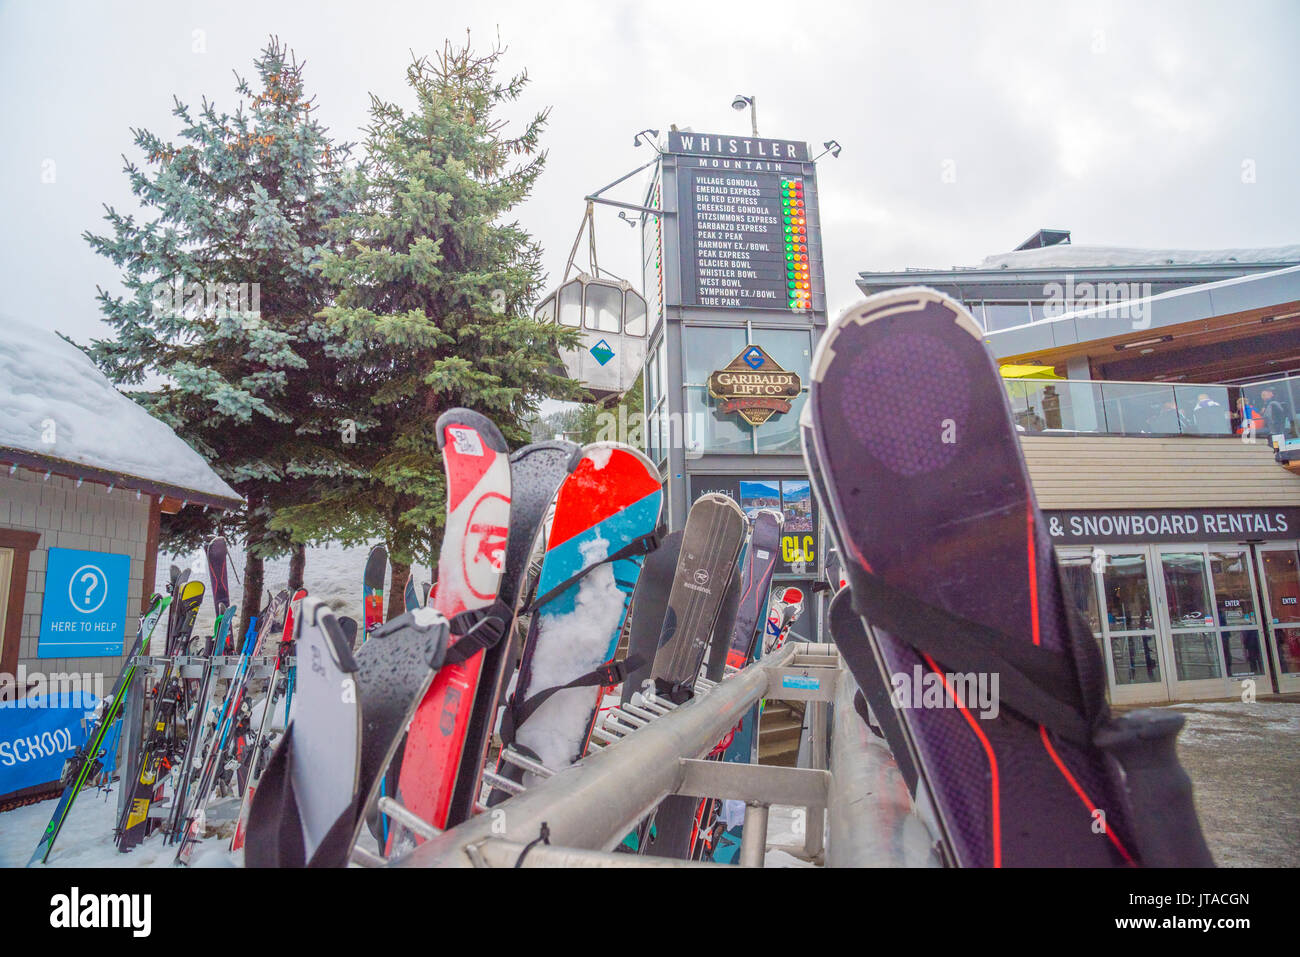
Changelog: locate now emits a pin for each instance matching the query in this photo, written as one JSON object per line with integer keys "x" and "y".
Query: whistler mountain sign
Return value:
{"x": 754, "y": 385}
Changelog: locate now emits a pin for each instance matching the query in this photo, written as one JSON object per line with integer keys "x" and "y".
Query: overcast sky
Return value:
{"x": 1126, "y": 123}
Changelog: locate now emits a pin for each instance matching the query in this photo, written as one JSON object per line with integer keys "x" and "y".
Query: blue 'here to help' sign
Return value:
{"x": 84, "y": 611}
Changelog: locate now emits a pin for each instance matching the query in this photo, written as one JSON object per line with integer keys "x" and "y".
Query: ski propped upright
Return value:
{"x": 84, "y": 764}
{"x": 536, "y": 472}
{"x": 218, "y": 574}
{"x": 304, "y": 803}
{"x": 951, "y": 567}
{"x": 470, "y": 564}
{"x": 372, "y": 589}
{"x": 258, "y": 752}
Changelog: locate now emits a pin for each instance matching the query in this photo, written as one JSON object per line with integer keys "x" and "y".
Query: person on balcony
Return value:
{"x": 1275, "y": 416}
{"x": 1169, "y": 420}
{"x": 1209, "y": 417}
{"x": 1250, "y": 421}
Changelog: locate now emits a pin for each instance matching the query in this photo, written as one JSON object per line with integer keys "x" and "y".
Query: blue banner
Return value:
{"x": 39, "y": 733}
{"x": 83, "y": 614}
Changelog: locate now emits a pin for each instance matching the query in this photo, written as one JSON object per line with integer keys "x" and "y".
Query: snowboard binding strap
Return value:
{"x": 1040, "y": 685}
{"x": 612, "y": 673}
{"x": 477, "y": 630}
{"x": 637, "y": 547}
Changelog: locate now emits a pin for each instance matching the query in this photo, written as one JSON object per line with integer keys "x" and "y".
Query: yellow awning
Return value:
{"x": 1028, "y": 372}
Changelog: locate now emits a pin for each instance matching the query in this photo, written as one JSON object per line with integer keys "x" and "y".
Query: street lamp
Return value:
{"x": 740, "y": 101}
{"x": 636, "y": 140}
{"x": 833, "y": 147}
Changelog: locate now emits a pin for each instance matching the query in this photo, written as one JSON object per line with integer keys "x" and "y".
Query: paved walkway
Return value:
{"x": 1244, "y": 762}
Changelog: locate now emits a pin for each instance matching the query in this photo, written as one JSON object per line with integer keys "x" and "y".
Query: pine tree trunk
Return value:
{"x": 297, "y": 567}
{"x": 397, "y": 589}
{"x": 252, "y": 603}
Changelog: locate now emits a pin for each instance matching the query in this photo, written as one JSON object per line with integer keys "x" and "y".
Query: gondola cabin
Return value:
{"x": 612, "y": 318}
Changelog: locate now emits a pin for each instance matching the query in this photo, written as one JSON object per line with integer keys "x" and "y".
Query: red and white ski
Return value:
{"x": 470, "y": 564}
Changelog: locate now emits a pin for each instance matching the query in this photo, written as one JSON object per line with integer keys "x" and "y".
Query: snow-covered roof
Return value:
{"x": 1070, "y": 255}
{"x": 57, "y": 406}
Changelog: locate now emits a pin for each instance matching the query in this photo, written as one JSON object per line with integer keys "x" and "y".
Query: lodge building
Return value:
{"x": 1158, "y": 427}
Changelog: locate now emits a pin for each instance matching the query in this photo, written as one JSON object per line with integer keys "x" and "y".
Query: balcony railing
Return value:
{"x": 1153, "y": 408}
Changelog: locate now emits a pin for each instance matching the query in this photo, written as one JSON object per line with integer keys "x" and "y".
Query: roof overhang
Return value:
{"x": 56, "y": 466}
{"x": 1208, "y": 313}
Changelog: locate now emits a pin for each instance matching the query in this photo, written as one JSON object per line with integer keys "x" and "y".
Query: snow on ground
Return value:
{"x": 87, "y": 838}
{"x": 55, "y": 402}
{"x": 785, "y": 837}
{"x": 333, "y": 573}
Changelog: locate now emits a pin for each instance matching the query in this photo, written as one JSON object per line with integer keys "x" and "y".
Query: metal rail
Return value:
{"x": 577, "y": 816}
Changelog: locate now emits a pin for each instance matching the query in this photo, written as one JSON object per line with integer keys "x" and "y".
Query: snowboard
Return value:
{"x": 410, "y": 594}
{"x": 850, "y": 636}
{"x": 305, "y": 799}
{"x": 81, "y": 767}
{"x": 256, "y": 758}
{"x": 680, "y": 823}
{"x": 394, "y": 671}
{"x": 951, "y": 568}
{"x": 646, "y": 616}
{"x": 470, "y": 564}
{"x": 755, "y": 586}
{"x": 726, "y": 825}
{"x": 715, "y": 665}
{"x": 606, "y": 519}
{"x": 372, "y": 589}
{"x": 536, "y": 473}
{"x": 711, "y": 541}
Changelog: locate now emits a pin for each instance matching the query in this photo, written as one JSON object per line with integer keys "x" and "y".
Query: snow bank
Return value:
{"x": 54, "y": 402}
{"x": 1067, "y": 255}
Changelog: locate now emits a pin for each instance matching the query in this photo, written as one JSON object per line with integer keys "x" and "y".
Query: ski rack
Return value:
{"x": 650, "y": 748}
{"x": 150, "y": 669}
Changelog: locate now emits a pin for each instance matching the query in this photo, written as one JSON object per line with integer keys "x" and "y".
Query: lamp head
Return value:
{"x": 834, "y": 147}
{"x": 739, "y": 102}
{"x": 636, "y": 140}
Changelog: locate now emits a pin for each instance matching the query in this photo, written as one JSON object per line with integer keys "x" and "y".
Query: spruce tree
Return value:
{"x": 431, "y": 310}
{"x": 238, "y": 203}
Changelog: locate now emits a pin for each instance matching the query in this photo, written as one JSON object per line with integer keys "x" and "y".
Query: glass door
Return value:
{"x": 1279, "y": 573}
{"x": 1188, "y": 608}
{"x": 1129, "y": 627}
{"x": 1236, "y": 608}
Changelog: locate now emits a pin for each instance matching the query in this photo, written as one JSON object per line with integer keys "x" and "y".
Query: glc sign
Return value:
{"x": 754, "y": 385}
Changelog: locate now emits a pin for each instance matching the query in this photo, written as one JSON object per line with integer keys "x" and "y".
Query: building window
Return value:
{"x": 705, "y": 349}
{"x": 1004, "y": 315}
{"x": 656, "y": 402}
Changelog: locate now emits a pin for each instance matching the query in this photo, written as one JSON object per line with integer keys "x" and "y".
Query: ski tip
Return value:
{"x": 894, "y": 302}
{"x": 487, "y": 431}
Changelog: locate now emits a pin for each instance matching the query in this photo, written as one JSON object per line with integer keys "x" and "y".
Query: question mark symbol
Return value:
{"x": 91, "y": 587}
